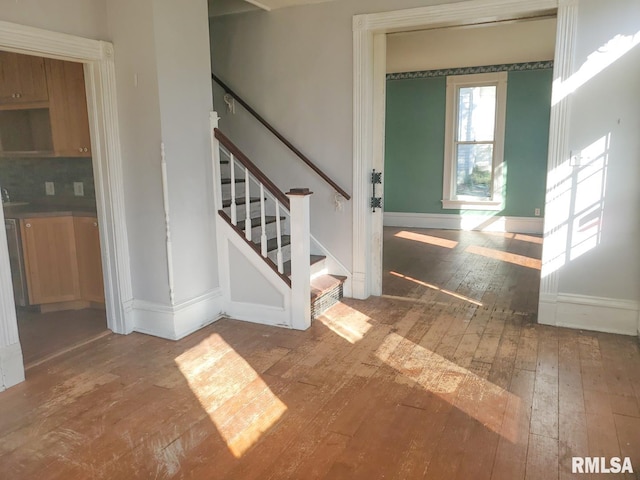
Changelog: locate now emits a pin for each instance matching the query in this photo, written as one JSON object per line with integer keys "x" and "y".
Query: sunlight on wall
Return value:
{"x": 223, "y": 400}
{"x": 435, "y": 287}
{"x": 575, "y": 206}
{"x": 453, "y": 383}
{"x": 521, "y": 260}
{"x": 351, "y": 324}
{"x": 595, "y": 63}
{"x": 419, "y": 237}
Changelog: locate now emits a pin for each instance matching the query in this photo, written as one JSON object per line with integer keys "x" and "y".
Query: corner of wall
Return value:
{"x": 178, "y": 321}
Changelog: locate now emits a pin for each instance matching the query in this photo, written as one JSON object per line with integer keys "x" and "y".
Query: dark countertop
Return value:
{"x": 33, "y": 211}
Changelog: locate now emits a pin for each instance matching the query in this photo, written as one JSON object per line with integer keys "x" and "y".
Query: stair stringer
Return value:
{"x": 268, "y": 300}
{"x": 332, "y": 264}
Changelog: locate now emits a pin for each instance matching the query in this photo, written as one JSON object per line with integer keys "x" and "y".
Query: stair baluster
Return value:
{"x": 234, "y": 213}
{"x": 263, "y": 236}
{"x": 247, "y": 204}
{"x": 279, "y": 239}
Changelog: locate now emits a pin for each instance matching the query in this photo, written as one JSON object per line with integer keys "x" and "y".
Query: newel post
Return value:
{"x": 300, "y": 252}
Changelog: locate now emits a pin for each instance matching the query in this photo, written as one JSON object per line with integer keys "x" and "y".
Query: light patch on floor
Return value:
{"x": 269, "y": 406}
{"x": 428, "y": 239}
{"x": 435, "y": 287}
{"x": 351, "y": 324}
{"x": 505, "y": 256}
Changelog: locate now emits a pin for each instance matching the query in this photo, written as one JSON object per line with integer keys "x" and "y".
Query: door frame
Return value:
{"x": 369, "y": 78}
{"x": 100, "y": 82}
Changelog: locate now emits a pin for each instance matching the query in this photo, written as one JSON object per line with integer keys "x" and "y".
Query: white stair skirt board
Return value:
{"x": 589, "y": 313}
{"x": 178, "y": 321}
{"x": 11, "y": 366}
{"x": 485, "y": 223}
{"x": 265, "y": 314}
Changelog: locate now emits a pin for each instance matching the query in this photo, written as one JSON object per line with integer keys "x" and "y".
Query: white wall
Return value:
{"x": 184, "y": 77}
{"x": 164, "y": 92}
{"x": 525, "y": 41}
{"x": 84, "y": 18}
{"x": 606, "y": 106}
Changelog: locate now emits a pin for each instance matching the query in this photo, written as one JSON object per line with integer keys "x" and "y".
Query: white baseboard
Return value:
{"x": 262, "y": 314}
{"x": 532, "y": 225}
{"x": 11, "y": 366}
{"x": 178, "y": 321}
{"x": 590, "y": 313}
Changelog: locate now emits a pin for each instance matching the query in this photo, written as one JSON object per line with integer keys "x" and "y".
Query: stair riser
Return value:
{"x": 256, "y": 232}
{"x": 286, "y": 254}
{"x": 226, "y": 190}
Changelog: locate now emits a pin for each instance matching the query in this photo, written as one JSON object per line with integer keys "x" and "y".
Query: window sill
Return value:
{"x": 471, "y": 205}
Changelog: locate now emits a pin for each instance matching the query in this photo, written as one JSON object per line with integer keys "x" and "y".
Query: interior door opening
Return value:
{"x": 49, "y": 205}
{"x": 439, "y": 243}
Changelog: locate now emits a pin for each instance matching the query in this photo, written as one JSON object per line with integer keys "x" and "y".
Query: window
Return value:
{"x": 474, "y": 174}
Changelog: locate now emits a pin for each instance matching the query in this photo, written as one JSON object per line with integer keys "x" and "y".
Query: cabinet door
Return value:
{"x": 68, "y": 109}
{"x": 49, "y": 248}
{"x": 22, "y": 79}
{"x": 89, "y": 259}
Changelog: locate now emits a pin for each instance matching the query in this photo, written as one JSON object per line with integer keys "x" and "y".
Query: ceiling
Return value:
{"x": 228, "y": 7}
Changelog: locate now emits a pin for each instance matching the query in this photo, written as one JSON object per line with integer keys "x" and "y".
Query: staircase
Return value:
{"x": 275, "y": 226}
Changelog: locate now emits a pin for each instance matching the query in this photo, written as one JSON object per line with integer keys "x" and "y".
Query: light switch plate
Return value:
{"x": 78, "y": 189}
{"x": 49, "y": 188}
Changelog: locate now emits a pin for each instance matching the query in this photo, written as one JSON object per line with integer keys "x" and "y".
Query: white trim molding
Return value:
{"x": 589, "y": 313}
{"x": 11, "y": 366}
{"x": 559, "y": 153}
{"x": 100, "y": 82}
{"x": 483, "y": 223}
{"x": 174, "y": 322}
{"x": 368, "y": 111}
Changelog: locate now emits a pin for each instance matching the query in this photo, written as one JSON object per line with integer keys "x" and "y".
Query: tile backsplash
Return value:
{"x": 24, "y": 178}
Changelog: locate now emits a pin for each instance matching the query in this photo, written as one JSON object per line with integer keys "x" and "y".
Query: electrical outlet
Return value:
{"x": 78, "y": 189}
{"x": 49, "y": 188}
{"x": 537, "y": 212}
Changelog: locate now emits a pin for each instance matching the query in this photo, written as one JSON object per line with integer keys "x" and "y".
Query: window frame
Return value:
{"x": 454, "y": 82}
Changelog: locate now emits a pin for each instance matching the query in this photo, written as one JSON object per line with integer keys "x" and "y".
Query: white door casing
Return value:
{"x": 369, "y": 54}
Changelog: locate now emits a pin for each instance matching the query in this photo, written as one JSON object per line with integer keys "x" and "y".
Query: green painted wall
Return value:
{"x": 414, "y": 144}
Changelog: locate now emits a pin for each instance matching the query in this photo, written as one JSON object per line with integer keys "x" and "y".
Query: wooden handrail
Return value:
{"x": 279, "y": 136}
{"x": 249, "y": 165}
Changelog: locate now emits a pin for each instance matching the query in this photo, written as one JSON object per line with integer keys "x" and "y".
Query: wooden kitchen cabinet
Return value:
{"x": 87, "y": 235}
{"x": 50, "y": 258}
{"x": 22, "y": 80}
{"x": 68, "y": 109}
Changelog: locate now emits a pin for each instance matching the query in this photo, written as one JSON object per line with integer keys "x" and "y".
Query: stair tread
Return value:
{"x": 239, "y": 201}
{"x": 255, "y": 221}
{"x": 227, "y": 181}
{"x": 324, "y": 283}
{"x": 272, "y": 243}
{"x": 313, "y": 259}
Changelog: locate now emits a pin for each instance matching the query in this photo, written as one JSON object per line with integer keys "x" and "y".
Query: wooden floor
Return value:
{"x": 45, "y": 335}
{"x": 447, "y": 377}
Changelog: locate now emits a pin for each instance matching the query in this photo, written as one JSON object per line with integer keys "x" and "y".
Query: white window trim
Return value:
{"x": 496, "y": 202}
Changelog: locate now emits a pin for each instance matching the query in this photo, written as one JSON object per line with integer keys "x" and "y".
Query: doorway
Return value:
{"x": 467, "y": 116}
{"x": 97, "y": 64}
{"x": 369, "y": 115}
{"x": 49, "y": 205}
